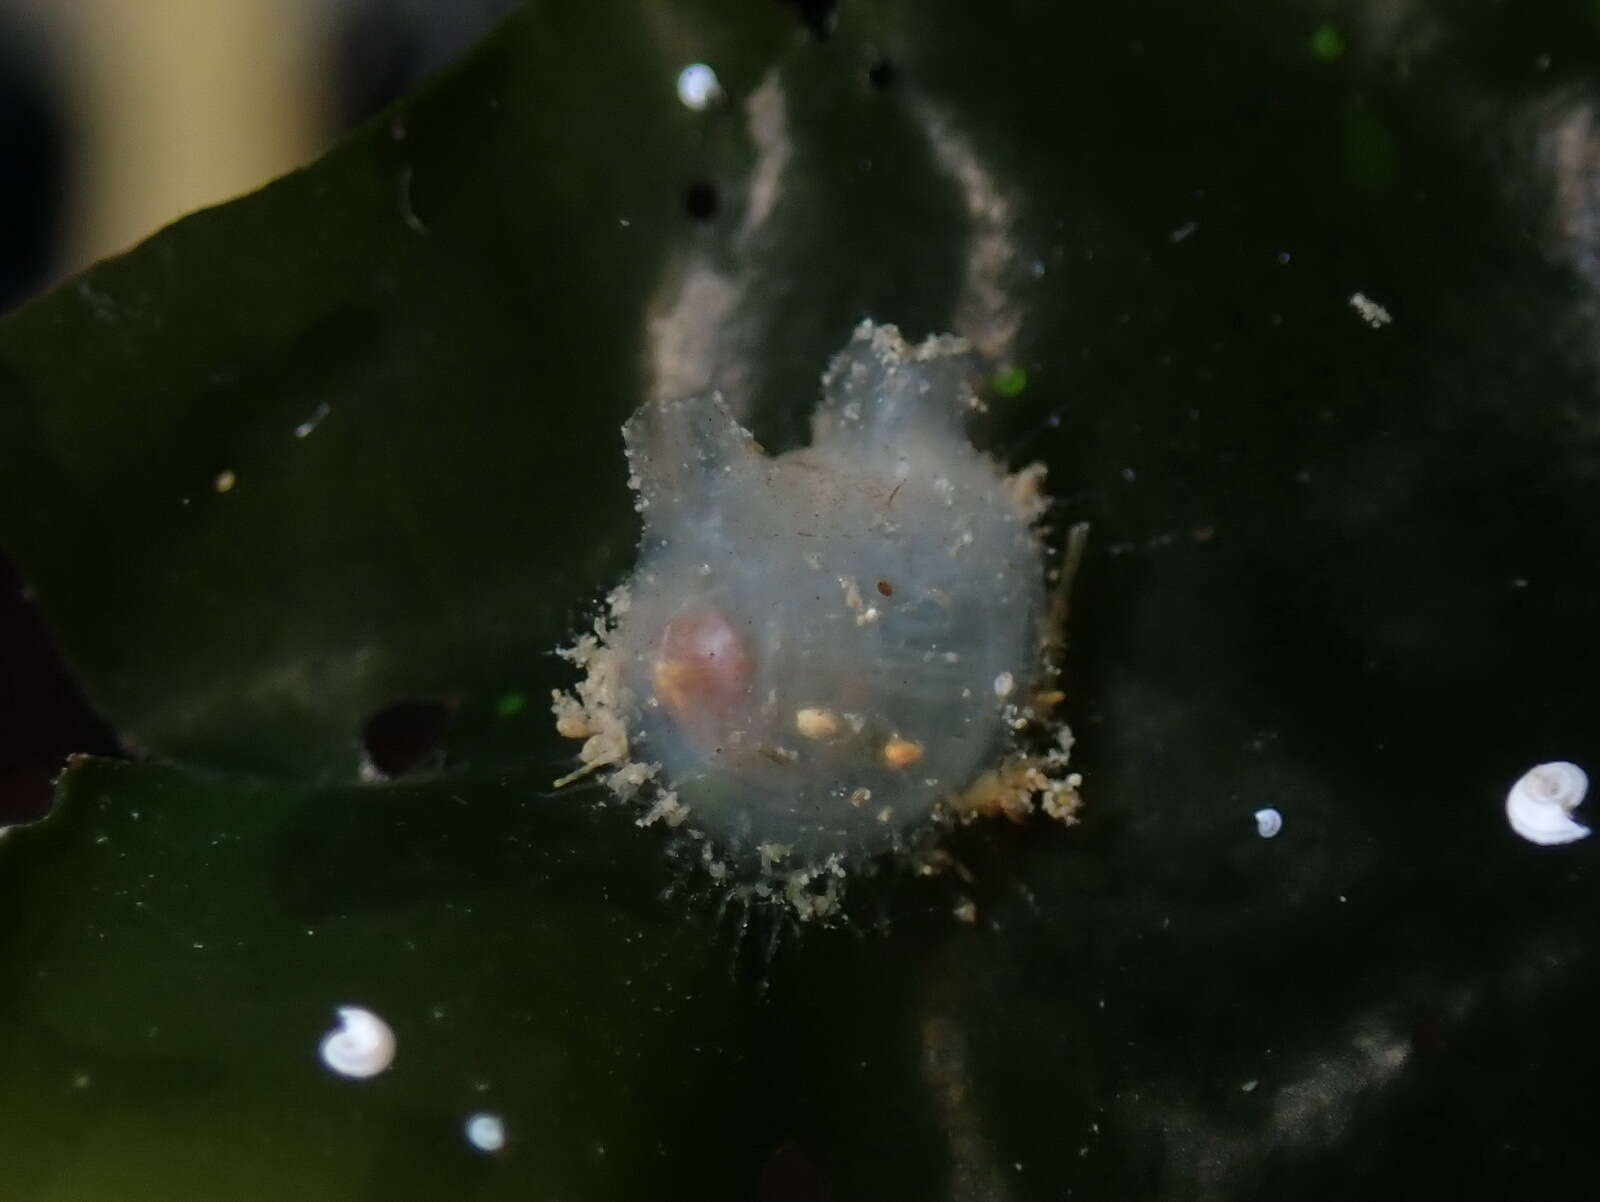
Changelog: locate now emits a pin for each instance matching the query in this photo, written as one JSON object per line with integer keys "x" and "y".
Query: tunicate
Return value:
{"x": 862, "y": 617}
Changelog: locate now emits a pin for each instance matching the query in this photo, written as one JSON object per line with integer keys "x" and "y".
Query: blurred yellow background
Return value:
{"x": 165, "y": 106}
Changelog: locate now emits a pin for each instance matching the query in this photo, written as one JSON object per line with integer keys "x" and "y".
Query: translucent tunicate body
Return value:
{"x": 818, "y": 648}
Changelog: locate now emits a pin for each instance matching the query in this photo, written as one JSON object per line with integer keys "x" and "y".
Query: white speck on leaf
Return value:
{"x": 1371, "y": 312}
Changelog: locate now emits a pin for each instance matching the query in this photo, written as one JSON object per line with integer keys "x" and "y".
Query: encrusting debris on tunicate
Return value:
{"x": 868, "y": 619}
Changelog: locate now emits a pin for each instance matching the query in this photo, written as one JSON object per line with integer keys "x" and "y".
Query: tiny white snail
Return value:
{"x": 486, "y": 1132}
{"x": 1539, "y": 805}
{"x": 698, "y": 87}
{"x": 362, "y": 1045}
{"x": 1268, "y": 822}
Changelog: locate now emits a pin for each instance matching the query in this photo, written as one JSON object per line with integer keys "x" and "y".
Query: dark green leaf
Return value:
{"x": 186, "y": 942}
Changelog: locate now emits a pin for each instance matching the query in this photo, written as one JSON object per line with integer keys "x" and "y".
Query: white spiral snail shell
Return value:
{"x": 1539, "y": 806}
{"x": 362, "y": 1045}
{"x": 1268, "y": 822}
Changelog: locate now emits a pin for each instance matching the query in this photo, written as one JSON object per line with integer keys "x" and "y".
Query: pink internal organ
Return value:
{"x": 703, "y": 670}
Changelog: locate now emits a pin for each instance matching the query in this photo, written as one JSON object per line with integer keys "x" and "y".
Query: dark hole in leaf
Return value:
{"x": 790, "y": 1176}
{"x": 25, "y": 795}
{"x": 404, "y": 736}
{"x": 700, "y": 201}
{"x": 816, "y": 15}
{"x": 43, "y": 716}
{"x": 881, "y": 74}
